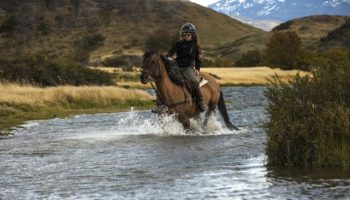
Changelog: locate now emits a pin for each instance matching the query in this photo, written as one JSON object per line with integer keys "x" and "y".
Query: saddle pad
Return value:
{"x": 202, "y": 82}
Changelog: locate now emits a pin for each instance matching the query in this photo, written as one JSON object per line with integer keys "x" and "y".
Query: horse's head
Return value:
{"x": 150, "y": 66}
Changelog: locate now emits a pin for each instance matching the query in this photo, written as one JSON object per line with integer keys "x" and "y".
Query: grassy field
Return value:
{"x": 229, "y": 76}
{"x": 19, "y": 103}
{"x": 249, "y": 75}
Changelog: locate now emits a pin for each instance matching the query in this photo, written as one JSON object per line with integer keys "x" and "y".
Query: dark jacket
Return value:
{"x": 187, "y": 54}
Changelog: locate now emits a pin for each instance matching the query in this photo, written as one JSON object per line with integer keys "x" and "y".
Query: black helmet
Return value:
{"x": 188, "y": 28}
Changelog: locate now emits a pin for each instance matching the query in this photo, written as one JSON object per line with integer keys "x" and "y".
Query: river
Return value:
{"x": 136, "y": 155}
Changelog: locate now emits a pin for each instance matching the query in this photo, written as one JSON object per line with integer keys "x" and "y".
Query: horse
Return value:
{"x": 178, "y": 98}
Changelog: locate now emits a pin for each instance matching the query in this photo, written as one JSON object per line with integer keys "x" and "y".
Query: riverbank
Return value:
{"x": 20, "y": 103}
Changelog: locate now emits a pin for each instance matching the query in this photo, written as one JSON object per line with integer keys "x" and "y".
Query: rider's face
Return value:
{"x": 187, "y": 36}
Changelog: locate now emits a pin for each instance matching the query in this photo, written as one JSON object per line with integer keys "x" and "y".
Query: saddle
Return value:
{"x": 176, "y": 77}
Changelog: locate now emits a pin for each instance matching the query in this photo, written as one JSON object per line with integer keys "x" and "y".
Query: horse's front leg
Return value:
{"x": 185, "y": 121}
{"x": 207, "y": 115}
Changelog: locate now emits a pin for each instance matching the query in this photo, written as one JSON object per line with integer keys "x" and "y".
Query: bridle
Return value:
{"x": 148, "y": 73}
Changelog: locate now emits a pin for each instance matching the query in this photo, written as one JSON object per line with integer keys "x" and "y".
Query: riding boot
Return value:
{"x": 201, "y": 105}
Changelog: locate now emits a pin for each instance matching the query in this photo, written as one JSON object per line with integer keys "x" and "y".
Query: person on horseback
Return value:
{"x": 186, "y": 52}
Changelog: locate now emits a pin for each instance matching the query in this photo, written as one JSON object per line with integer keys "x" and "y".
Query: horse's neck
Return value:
{"x": 167, "y": 89}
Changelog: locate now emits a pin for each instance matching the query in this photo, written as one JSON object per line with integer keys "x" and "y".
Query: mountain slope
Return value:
{"x": 340, "y": 37}
{"x": 313, "y": 28}
{"x": 54, "y": 26}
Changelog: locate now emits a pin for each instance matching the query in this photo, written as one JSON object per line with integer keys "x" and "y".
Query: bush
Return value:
{"x": 85, "y": 45}
{"x": 283, "y": 50}
{"x": 43, "y": 71}
{"x": 250, "y": 59}
{"x": 126, "y": 62}
{"x": 9, "y": 26}
{"x": 309, "y": 118}
{"x": 114, "y": 61}
{"x": 44, "y": 28}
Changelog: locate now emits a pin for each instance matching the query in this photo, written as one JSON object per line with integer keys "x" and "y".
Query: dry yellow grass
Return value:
{"x": 251, "y": 75}
{"x": 20, "y": 103}
{"x": 65, "y": 95}
{"x": 227, "y": 75}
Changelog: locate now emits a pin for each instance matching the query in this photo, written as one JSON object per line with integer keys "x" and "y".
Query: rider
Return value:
{"x": 188, "y": 52}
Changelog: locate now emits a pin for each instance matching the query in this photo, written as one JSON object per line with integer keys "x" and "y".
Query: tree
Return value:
{"x": 283, "y": 50}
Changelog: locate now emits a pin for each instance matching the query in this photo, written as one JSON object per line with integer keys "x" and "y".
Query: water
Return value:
{"x": 134, "y": 155}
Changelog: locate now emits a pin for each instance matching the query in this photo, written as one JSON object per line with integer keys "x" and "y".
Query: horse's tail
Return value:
{"x": 223, "y": 111}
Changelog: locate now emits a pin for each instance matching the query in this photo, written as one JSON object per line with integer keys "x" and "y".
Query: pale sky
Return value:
{"x": 204, "y": 2}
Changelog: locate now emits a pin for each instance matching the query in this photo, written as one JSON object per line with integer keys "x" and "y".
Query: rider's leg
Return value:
{"x": 189, "y": 74}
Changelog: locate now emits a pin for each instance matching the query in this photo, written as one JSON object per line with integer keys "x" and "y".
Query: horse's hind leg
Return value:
{"x": 207, "y": 115}
{"x": 185, "y": 121}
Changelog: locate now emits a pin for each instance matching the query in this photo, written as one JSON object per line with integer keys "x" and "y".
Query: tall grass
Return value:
{"x": 67, "y": 95}
{"x": 19, "y": 103}
{"x": 309, "y": 118}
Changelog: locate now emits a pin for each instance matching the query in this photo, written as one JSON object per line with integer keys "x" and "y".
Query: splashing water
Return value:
{"x": 134, "y": 123}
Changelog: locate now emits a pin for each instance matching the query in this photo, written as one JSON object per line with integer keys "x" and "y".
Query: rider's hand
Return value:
{"x": 196, "y": 71}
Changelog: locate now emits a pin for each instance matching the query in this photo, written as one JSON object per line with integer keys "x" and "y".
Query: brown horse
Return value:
{"x": 177, "y": 98}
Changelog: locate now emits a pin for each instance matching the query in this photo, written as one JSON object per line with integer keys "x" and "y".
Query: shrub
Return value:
{"x": 114, "y": 61}
{"x": 44, "y": 28}
{"x": 250, "y": 59}
{"x": 126, "y": 62}
{"x": 87, "y": 44}
{"x": 9, "y": 26}
{"x": 309, "y": 118}
{"x": 43, "y": 71}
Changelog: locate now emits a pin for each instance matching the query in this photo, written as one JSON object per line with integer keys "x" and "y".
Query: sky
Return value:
{"x": 204, "y": 2}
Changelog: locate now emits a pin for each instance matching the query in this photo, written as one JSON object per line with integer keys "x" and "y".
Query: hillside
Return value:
{"x": 340, "y": 37}
{"x": 313, "y": 28}
{"x": 57, "y": 27}
{"x": 231, "y": 51}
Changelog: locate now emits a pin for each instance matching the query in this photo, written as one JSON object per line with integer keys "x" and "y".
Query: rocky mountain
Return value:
{"x": 56, "y": 27}
{"x": 280, "y": 10}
